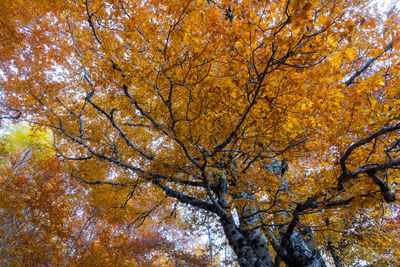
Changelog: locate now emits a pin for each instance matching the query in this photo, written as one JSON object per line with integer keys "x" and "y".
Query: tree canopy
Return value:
{"x": 281, "y": 114}
{"x": 48, "y": 219}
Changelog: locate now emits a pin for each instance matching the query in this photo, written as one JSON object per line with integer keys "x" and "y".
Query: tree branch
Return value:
{"x": 387, "y": 195}
{"x": 346, "y": 175}
{"x": 96, "y": 182}
{"x": 309, "y": 203}
{"x": 123, "y": 135}
{"x": 186, "y": 199}
{"x": 366, "y": 65}
{"x": 90, "y": 15}
{"x": 331, "y": 248}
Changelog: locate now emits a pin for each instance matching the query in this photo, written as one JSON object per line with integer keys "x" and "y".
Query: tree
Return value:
{"x": 202, "y": 102}
{"x": 49, "y": 219}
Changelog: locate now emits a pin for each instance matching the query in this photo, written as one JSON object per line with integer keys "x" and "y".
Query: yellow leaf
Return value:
{"x": 350, "y": 53}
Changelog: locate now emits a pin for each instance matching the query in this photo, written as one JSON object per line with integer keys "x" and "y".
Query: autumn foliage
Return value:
{"x": 47, "y": 218}
{"x": 283, "y": 114}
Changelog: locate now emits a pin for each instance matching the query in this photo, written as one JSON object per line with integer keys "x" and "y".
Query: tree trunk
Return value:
{"x": 299, "y": 252}
{"x": 251, "y": 245}
{"x": 251, "y": 248}
{"x": 248, "y": 247}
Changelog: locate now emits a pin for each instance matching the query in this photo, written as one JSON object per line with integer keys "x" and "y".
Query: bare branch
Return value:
{"x": 309, "y": 203}
{"x": 346, "y": 175}
{"x": 90, "y": 15}
{"x": 124, "y": 136}
{"x": 186, "y": 199}
{"x": 97, "y": 182}
{"x": 387, "y": 195}
{"x": 366, "y": 65}
{"x": 8, "y": 110}
{"x": 331, "y": 248}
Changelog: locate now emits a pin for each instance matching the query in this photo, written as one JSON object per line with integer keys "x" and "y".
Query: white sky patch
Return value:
{"x": 384, "y": 5}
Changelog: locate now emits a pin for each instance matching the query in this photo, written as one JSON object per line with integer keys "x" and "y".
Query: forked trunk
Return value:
{"x": 251, "y": 248}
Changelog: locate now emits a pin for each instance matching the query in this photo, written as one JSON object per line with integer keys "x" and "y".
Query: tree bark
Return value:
{"x": 250, "y": 220}
{"x": 247, "y": 239}
{"x": 299, "y": 252}
{"x": 246, "y": 245}
{"x": 251, "y": 248}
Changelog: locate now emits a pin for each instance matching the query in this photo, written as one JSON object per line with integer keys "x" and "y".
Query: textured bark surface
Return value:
{"x": 249, "y": 220}
{"x": 299, "y": 252}
{"x": 249, "y": 248}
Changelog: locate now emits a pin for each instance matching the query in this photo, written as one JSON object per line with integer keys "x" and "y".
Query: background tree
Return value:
{"x": 49, "y": 219}
{"x": 200, "y": 101}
